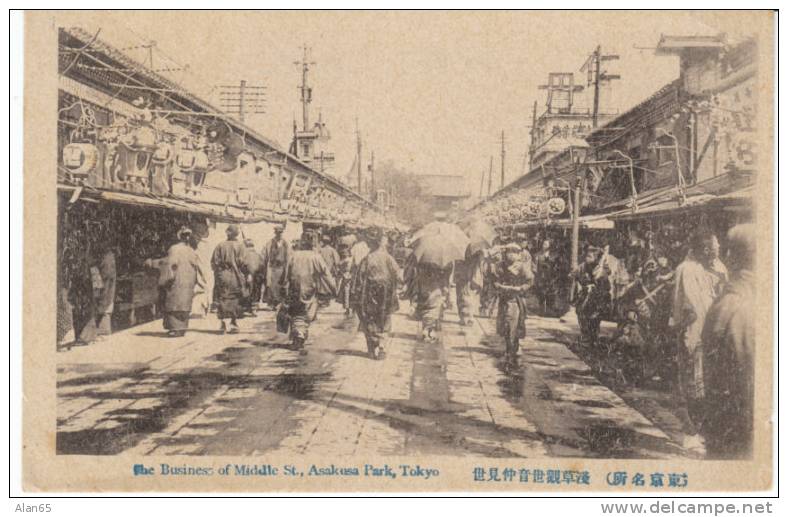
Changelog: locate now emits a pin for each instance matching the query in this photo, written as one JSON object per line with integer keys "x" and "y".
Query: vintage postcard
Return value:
{"x": 398, "y": 251}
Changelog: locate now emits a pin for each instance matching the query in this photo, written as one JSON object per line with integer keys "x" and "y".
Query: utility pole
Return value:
{"x": 503, "y": 159}
{"x": 372, "y": 191}
{"x": 531, "y": 148}
{"x": 306, "y": 90}
{"x": 489, "y": 178}
{"x": 579, "y": 184}
{"x": 597, "y": 59}
{"x": 358, "y": 158}
{"x": 241, "y": 99}
{"x": 596, "y": 76}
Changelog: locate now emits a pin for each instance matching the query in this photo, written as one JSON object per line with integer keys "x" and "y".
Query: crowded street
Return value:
{"x": 219, "y": 294}
{"x": 251, "y": 394}
{"x": 495, "y": 251}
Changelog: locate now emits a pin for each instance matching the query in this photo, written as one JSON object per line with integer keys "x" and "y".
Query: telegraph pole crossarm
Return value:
{"x": 306, "y": 90}
{"x": 596, "y": 76}
{"x": 242, "y": 99}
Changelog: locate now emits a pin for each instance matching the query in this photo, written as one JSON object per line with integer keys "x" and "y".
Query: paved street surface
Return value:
{"x": 139, "y": 392}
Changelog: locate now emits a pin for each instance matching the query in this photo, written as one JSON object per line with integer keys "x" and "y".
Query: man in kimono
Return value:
{"x": 374, "y": 294}
{"x": 546, "y": 281}
{"x": 487, "y": 292}
{"x": 698, "y": 282}
{"x": 230, "y": 282}
{"x": 275, "y": 258}
{"x": 329, "y": 254}
{"x": 345, "y": 278}
{"x": 427, "y": 289}
{"x": 513, "y": 277}
{"x": 179, "y": 272}
{"x": 345, "y": 270}
{"x": 252, "y": 266}
{"x": 331, "y": 258}
{"x": 729, "y": 353}
{"x": 592, "y": 294}
{"x": 463, "y": 273}
{"x": 306, "y": 273}
{"x": 358, "y": 251}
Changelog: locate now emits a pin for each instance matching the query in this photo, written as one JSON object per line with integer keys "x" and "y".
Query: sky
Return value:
{"x": 432, "y": 91}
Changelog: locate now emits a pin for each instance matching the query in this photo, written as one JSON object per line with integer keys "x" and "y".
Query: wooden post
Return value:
{"x": 576, "y": 219}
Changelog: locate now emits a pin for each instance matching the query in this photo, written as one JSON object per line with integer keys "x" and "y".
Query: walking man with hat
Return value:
{"x": 230, "y": 281}
{"x": 179, "y": 273}
{"x": 276, "y": 255}
{"x": 305, "y": 275}
{"x": 331, "y": 258}
{"x": 374, "y": 294}
{"x": 252, "y": 266}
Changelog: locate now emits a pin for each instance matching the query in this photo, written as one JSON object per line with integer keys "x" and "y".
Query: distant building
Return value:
{"x": 689, "y": 147}
{"x": 563, "y": 123}
{"x": 312, "y": 146}
{"x": 446, "y": 192}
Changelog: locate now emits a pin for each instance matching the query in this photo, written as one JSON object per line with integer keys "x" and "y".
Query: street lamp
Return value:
{"x": 680, "y": 183}
{"x": 634, "y": 192}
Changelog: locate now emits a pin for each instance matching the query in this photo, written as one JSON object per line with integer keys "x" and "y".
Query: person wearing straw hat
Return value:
{"x": 226, "y": 263}
{"x": 179, "y": 273}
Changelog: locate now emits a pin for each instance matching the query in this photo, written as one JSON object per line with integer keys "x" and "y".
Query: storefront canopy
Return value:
{"x": 591, "y": 222}
{"x": 147, "y": 201}
{"x": 733, "y": 200}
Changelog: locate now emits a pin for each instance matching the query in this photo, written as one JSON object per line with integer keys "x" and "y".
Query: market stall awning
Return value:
{"x": 591, "y": 222}
{"x": 737, "y": 199}
{"x": 146, "y": 201}
{"x": 132, "y": 199}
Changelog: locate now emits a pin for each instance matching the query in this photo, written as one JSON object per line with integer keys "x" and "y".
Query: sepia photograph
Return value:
{"x": 398, "y": 250}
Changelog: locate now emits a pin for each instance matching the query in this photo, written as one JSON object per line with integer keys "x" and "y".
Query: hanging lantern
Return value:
{"x": 533, "y": 208}
{"x": 191, "y": 160}
{"x": 81, "y": 158}
{"x": 556, "y": 206}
